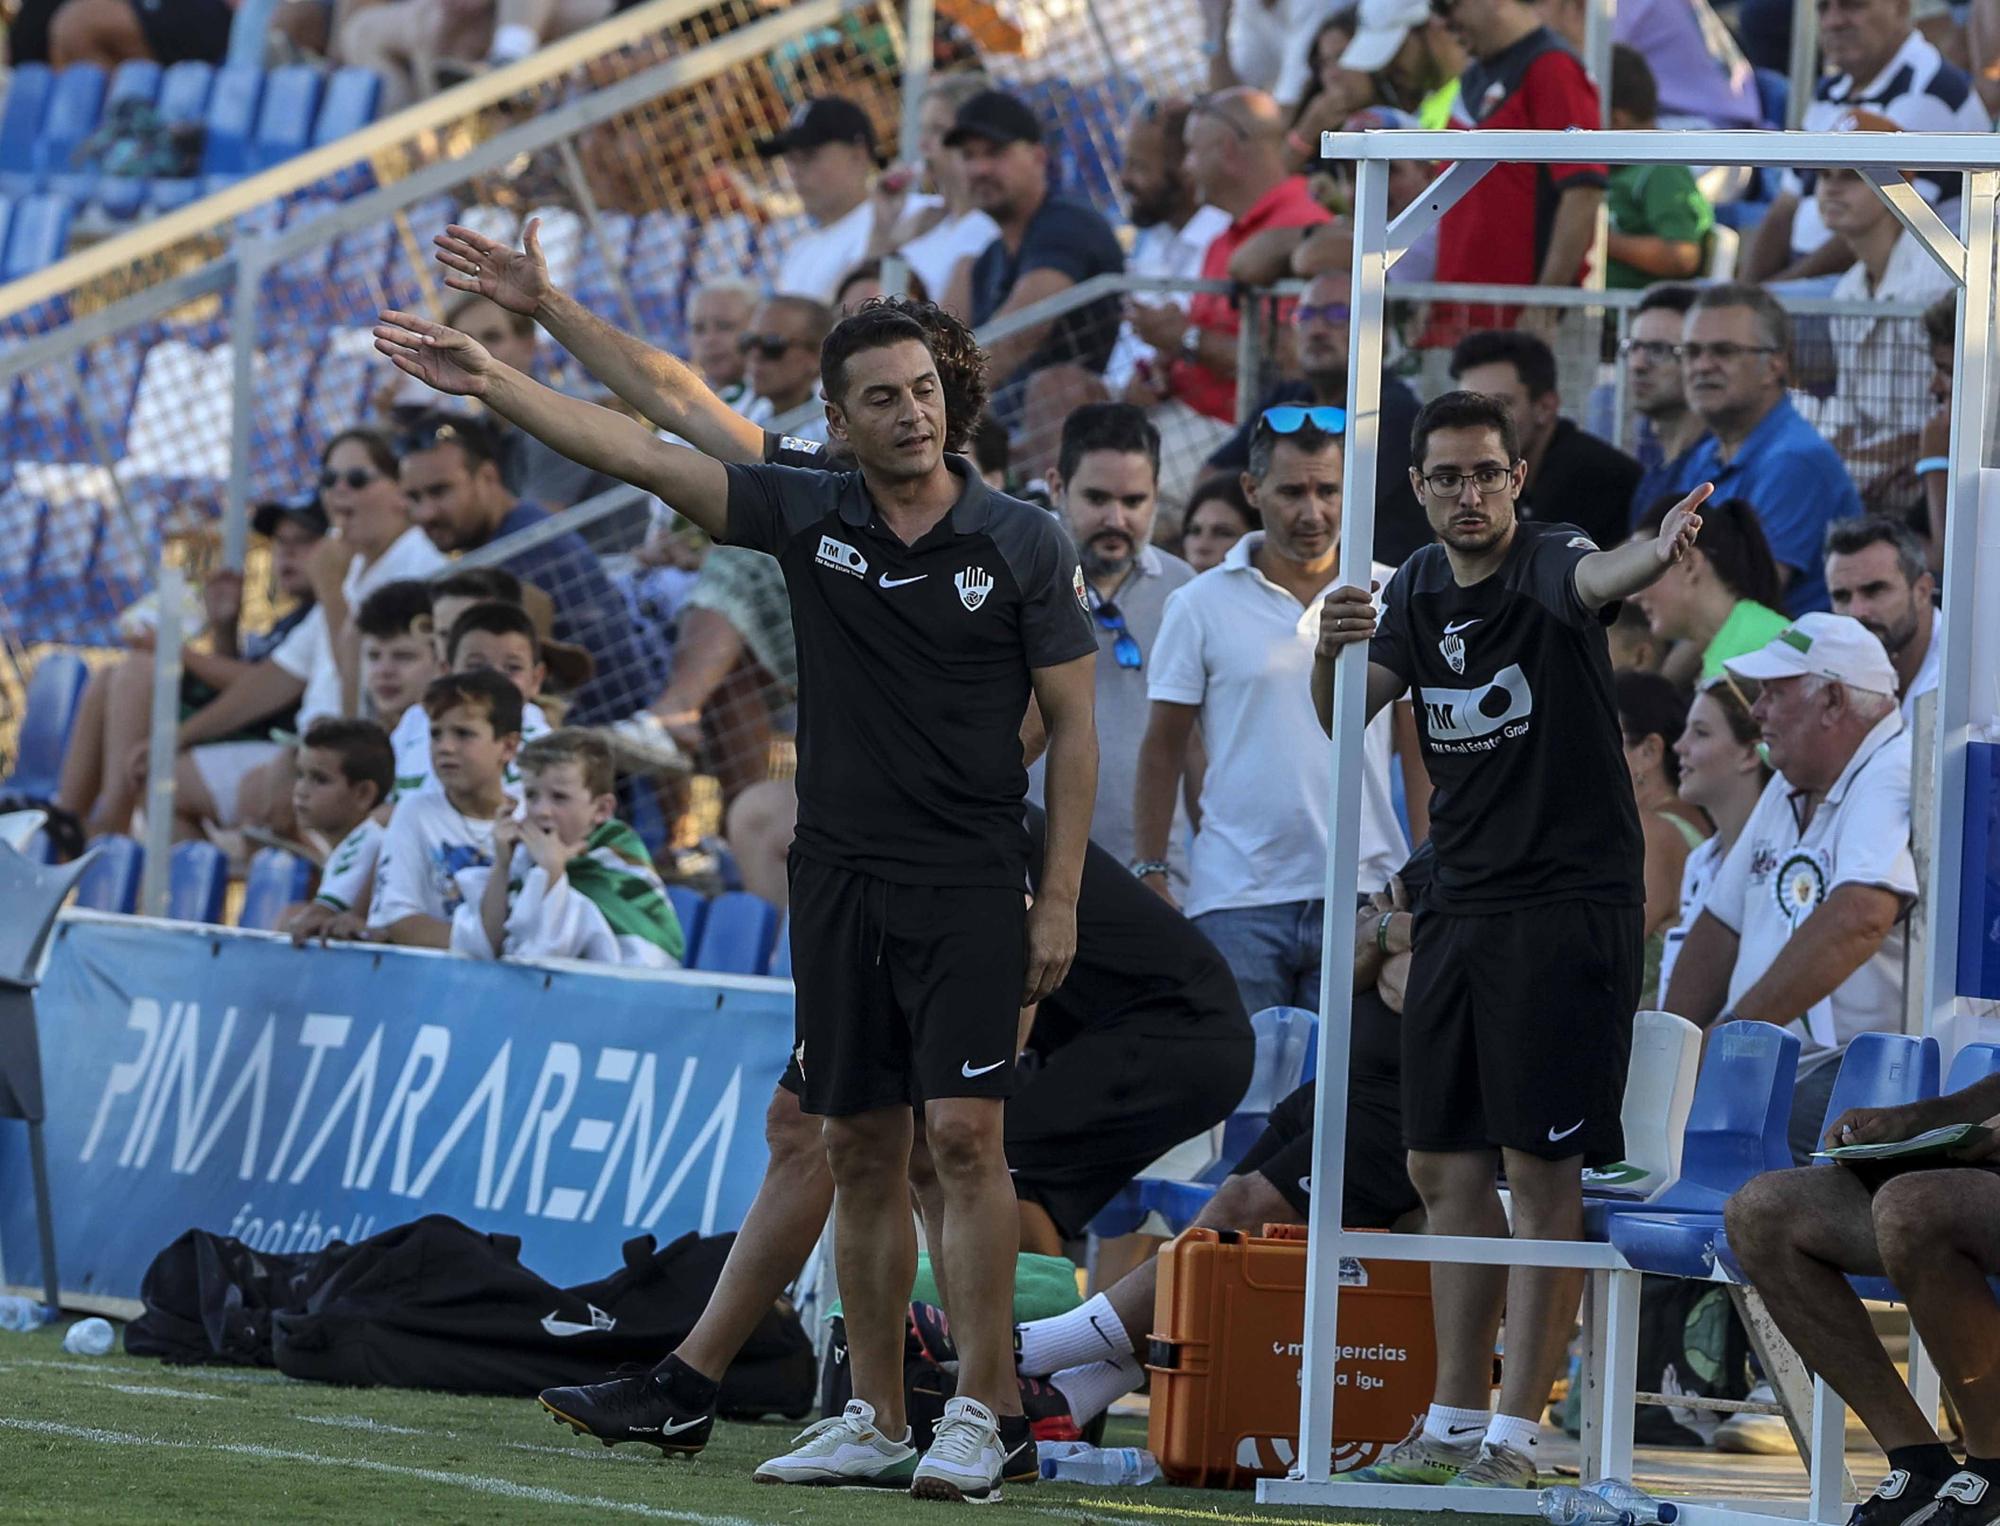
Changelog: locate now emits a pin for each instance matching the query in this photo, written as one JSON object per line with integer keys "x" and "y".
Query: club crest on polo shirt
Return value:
{"x": 1452, "y": 647}
{"x": 842, "y": 557}
{"x": 1082, "y": 598}
{"x": 1800, "y": 884}
{"x": 973, "y": 585}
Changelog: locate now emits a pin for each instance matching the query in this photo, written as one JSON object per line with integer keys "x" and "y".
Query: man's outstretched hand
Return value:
{"x": 440, "y": 357}
{"x": 1681, "y": 525}
{"x": 516, "y": 279}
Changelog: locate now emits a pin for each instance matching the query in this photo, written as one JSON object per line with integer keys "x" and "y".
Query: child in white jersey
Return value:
{"x": 399, "y": 656}
{"x": 568, "y": 879}
{"x": 475, "y": 721}
{"x": 493, "y": 636}
{"x": 344, "y": 772}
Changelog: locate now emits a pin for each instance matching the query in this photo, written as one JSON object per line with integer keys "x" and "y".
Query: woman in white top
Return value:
{"x": 1723, "y": 772}
{"x": 941, "y": 229}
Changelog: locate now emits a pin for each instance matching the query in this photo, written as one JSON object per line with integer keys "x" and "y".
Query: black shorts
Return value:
{"x": 1100, "y": 1108}
{"x": 1517, "y": 1030}
{"x": 904, "y": 992}
{"x": 1379, "y": 1191}
{"x": 179, "y": 30}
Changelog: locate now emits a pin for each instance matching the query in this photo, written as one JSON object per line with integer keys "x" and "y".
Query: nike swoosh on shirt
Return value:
{"x": 564, "y": 1326}
{"x": 1462, "y": 625}
{"x": 888, "y": 582}
{"x": 965, "y": 1069}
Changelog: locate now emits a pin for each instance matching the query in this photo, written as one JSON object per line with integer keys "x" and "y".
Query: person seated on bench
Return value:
{"x": 1803, "y": 924}
{"x": 1936, "y": 1233}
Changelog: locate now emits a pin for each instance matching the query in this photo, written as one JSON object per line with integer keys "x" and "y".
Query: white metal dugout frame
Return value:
{"x": 1612, "y": 1299}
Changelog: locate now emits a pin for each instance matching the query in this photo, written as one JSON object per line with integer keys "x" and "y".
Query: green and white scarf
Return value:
{"x": 615, "y": 874}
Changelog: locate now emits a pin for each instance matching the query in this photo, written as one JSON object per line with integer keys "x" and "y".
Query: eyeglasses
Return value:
{"x": 1723, "y": 352}
{"x": 1210, "y": 105}
{"x": 1488, "y": 479}
{"x": 1320, "y": 312}
{"x": 1125, "y": 646}
{"x": 769, "y": 346}
{"x": 356, "y": 477}
{"x": 1290, "y": 418}
{"x": 1652, "y": 349}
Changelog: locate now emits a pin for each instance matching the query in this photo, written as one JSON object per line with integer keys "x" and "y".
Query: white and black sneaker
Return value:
{"x": 1964, "y": 1499}
{"x": 1897, "y": 1500}
{"x": 965, "y": 1462}
{"x": 845, "y": 1450}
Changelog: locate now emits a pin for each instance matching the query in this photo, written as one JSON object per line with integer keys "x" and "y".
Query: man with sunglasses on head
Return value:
{"x": 1234, "y": 653}
{"x": 1517, "y": 1015}
{"x": 1319, "y": 324}
{"x": 1105, "y": 487}
{"x": 1735, "y": 355}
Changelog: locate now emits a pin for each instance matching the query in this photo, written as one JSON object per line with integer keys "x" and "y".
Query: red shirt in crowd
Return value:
{"x": 1288, "y": 204}
{"x": 1499, "y": 234}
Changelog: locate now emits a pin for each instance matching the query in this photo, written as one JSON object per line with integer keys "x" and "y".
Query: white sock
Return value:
{"x": 512, "y": 44}
{"x": 1524, "y": 1436}
{"x": 1454, "y": 1427}
{"x": 1094, "y": 1387}
{"x": 1091, "y": 1332}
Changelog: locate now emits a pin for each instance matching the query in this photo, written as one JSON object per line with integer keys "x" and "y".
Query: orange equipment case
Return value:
{"x": 1230, "y": 1320}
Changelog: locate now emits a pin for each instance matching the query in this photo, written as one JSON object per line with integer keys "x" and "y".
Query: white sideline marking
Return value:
{"x": 104, "y": 1366}
{"x": 476, "y": 1482}
{"x": 363, "y": 1423}
{"x": 597, "y": 1454}
{"x": 148, "y": 1391}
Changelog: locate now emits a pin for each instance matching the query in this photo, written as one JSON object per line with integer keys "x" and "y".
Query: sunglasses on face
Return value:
{"x": 1288, "y": 418}
{"x": 356, "y": 477}
{"x": 769, "y": 346}
{"x": 1322, "y": 312}
{"x": 1124, "y": 645}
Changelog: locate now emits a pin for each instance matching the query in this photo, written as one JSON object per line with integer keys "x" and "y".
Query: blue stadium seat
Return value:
{"x": 1736, "y": 1130}
{"x": 231, "y": 122}
{"x": 182, "y": 102}
{"x": 1975, "y": 1062}
{"x": 781, "y": 951}
{"x": 197, "y": 882}
{"x": 277, "y": 879}
{"x": 75, "y": 106}
{"x": 1287, "y": 1057}
{"x": 27, "y": 105}
{"x": 348, "y": 105}
{"x": 53, "y": 696}
{"x": 37, "y": 235}
{"x": 286, "y": 117}
{"x": 111, "y": 883}
{"x": 736, "y": 935}
{"x": 692, "y": 909}
{"x": 136, "y": 81}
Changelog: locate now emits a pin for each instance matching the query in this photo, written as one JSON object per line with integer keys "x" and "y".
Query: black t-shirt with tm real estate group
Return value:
{"x": 1511, "y": 678}
{"x": 914, "y": 666}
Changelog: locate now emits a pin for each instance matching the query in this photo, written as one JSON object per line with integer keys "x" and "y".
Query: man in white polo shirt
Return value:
{"x": 1235, "y": 652}
{"x": 1803, "y": 925}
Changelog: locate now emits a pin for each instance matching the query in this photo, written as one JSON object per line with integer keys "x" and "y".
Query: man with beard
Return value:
{"x": 1659, "y": 395}
{"x": 1319, "y": 324}
{"x": 1175, "y": 229}
{"x": 1235, "y": 652}
{"x": 1105, "y": 483}
{"x": 1875, "y": 571}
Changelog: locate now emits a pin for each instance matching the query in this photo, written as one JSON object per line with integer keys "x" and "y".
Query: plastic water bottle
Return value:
{"x": 1567, "y": 1505}
{"x": 22, "y": 1314}
{"x": 88, "y": 1337}
{"x": 1646, "y": 1510}
{"x": 1078, "y": 1462}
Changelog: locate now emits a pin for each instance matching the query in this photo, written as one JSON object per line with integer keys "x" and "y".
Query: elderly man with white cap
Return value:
{"x": 1803, "y": 924}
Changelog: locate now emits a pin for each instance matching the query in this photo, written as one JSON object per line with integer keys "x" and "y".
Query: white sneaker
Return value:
{"x": 1764, "y": 1435}
{"x": 844, "y": 1450}
{"x": 965, "y": 1460}
{"x": 643, "y": 744}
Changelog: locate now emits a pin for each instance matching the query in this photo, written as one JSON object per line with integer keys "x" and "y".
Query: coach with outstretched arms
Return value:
{"x": 928, "y": 609}
{"x": 1517, "y": 1017}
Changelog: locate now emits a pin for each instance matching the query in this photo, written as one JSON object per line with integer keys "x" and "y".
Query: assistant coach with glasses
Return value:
{"x": 1517, "y": 1018}
{"x": 1234, "y": 653}
{"x": 928, "y": 610}
{"x": 1735, "y": 356}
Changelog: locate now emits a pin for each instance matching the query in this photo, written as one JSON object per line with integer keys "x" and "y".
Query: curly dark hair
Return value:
{"x": 961, "y": 364}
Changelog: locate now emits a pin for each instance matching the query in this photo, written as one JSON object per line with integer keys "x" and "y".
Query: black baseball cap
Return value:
{"x": 996, "y": 116}
{"x": 831, "y": 119}
{"x": 304, "y": 509}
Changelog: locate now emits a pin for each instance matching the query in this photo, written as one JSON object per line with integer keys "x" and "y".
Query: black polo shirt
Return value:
{"x": 1585, "y": 482}
{"x": 913, "y": 667}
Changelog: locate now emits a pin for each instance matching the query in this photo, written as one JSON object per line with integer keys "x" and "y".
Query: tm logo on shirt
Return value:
{"x": 1467, "y": 720}
{"x": 842, "y": 557}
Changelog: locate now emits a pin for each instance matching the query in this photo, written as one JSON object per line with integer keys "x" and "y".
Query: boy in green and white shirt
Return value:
{"x": 568, "y": 880}
{"x": 1659, "y": 223}
{"x": 345, "y": 770}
